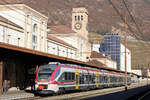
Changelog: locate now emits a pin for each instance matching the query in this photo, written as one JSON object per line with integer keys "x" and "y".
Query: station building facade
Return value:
{"x": 11, "y": 33}
{"x": 34, "y": 31}
{"x": 59, "y": 47}
{"x": 33, "y": 23}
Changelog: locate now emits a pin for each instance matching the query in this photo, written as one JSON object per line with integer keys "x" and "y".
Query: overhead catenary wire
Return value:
{"x": 122, "y": 18}
{"x": 143, "y": 45}
{"x": 137, "y": 27}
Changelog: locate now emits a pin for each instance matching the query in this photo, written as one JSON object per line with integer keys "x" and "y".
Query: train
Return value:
{"x": 56, "y": 78}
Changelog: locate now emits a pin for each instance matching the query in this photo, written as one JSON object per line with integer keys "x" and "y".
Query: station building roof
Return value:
{"x": 95, "y": 62}
{"x": 6, "y": 21}
{"x": 53, "y": 38}
{"x": 61, "y": 29}
{"x": 95, "y": 54}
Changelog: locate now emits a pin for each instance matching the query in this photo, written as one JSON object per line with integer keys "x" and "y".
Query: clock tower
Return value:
{"x": 80, "y": 21}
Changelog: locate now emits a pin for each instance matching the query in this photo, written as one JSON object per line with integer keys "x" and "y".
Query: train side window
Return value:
{"x": 102, "y": 79}
{"x": 66, "y": 76}
{"x": 80, "y": 79}
{"x": 73, "y": 76}
{"x": 94, "y": 79}
{"x": 90, "y": 79}
{"x": 86, "y": 79}
{"x": 110, "y": 78}
{"x": 69, "y": 76}
{"x": 105, "y": 79}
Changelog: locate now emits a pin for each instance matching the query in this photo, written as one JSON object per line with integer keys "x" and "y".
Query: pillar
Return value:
{"x": 1, "y": 77}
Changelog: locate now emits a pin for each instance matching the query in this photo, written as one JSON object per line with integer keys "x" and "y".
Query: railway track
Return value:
{"x": 84, "y": 94}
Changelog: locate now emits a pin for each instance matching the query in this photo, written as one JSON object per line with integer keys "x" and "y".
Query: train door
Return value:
{"x": 97, "y": 79}
{"x": 87, "y": 77}
{"x": 100, "y": 79}
{"x": 117, "y": 80}
{"x": 108, "y": 79}
{"x": 77, "y": 79}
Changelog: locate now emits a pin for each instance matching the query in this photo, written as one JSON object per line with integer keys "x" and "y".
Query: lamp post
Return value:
{"x": 147, "y": 74}
{"x": 125, "y": 43}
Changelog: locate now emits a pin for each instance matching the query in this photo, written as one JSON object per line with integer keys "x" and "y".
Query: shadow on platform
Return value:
{"x": 130, "y": 94}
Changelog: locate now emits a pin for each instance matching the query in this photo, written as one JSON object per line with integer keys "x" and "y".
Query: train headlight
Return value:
{"x": 51, "y": 86}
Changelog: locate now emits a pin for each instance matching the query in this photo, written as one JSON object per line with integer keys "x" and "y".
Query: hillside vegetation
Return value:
{"x": 102, "y": 17}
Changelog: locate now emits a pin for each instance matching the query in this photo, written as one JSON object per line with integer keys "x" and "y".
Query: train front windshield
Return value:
{"x": 46, "y": 71}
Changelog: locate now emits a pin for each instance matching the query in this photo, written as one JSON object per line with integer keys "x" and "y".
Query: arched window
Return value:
{"x": 35, "y": 28}
{"x": 75, "y": 18}
{"x": 78, "y": 18}
{"x": 81, "y": 17}
{"x": 34, "y": 37}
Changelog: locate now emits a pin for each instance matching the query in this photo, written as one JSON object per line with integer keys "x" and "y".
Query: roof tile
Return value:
{"x": 61, "y": 29}
{"x": 95, "y": 54}
{"x": 96, "y": 63}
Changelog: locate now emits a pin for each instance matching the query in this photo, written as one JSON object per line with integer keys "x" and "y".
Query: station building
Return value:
{"x": 77, "y": 36}
{"x": 59, "y": 47}
{"x": 106, "y": 61}
{"x": 21, "y": 29}
{"x": 33, "y": 23}
{"x": 11, "y": 33}
{"x": 25, "y": 43}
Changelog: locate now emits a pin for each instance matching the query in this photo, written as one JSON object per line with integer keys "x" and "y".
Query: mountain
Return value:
{"x": 102, "y": 17}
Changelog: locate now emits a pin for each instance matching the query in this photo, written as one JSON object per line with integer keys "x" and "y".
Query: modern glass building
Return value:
{"x": 112, "y": 47}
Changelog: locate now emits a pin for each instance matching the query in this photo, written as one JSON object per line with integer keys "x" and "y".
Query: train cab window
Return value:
{"x": 46, "y": 71}
{"x": 57, "y": 73}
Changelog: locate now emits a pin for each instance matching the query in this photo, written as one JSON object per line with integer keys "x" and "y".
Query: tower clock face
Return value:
{"x": 78, "y": 26}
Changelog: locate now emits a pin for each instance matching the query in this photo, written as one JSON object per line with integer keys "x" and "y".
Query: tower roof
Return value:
{"x": 79, "y": 10}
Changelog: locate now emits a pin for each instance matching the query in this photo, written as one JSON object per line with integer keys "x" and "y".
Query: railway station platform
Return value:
{"x": 12, "y": 95}
{"x": 117, "y": 93}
